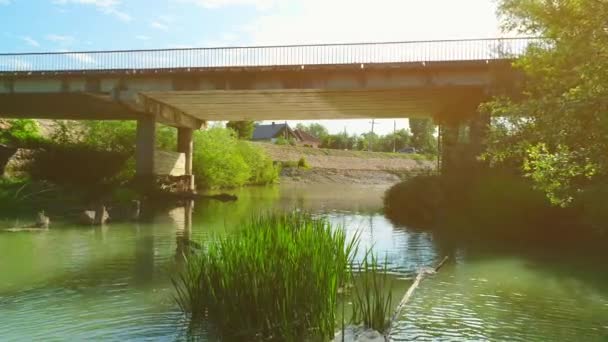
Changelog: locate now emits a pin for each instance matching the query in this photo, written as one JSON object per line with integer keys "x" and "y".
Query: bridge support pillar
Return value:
{"x": 144, "y": 151}
{"x": 448, "y": 136}
{"x": 185, "y": 145}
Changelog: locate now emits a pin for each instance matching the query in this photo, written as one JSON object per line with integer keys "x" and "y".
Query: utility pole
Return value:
{"x": 345, "y": 139}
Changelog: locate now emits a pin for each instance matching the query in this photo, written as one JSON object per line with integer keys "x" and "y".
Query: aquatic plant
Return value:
{"x": 277, "y": 278}
{"x": 372, "y": 294}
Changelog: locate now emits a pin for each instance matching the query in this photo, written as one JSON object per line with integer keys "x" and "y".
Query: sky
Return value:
{"x": 80, "y": 25}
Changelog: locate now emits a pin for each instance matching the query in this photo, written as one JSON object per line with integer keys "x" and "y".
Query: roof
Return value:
{"x": 266, "y": 132}
{"x": 305, "y": 137}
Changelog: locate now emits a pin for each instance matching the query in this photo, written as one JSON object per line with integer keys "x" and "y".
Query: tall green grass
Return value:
{"x": 277, "y": 278}
{"x": 372, "y": 294}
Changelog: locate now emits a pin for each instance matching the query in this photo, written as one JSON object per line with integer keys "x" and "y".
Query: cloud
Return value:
{"x": 61, "y": 39}
{"x": 30, "y": 41}
{"x": 142, "y": 37}
{"x": 5, "y": 2}
{"x": 109, "y": 7}
{"x": 323, "y": 21}
{"x": 259, "y": 4}
{"x": 159, "y": 25}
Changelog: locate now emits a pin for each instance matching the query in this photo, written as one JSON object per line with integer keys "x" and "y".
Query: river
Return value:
{"x": 113, "y": 283}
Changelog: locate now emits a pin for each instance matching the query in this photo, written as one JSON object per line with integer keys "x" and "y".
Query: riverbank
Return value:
{"x": 327, "y": 166}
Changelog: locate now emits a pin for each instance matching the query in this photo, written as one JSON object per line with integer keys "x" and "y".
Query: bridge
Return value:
{"x": 185, "y": 88}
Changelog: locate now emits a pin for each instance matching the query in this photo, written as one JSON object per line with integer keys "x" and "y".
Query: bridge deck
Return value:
{"x": 263, "y": 56}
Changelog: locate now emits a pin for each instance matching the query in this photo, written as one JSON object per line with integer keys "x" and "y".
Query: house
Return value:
{"x": 274, "y": 131}
{"x": 305, "y": 139}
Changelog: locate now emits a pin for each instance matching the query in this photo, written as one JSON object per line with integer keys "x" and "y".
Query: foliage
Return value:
{"x": 277, "y": 278}
{"x": 556, "y": 173}
{"x": 373, "y": 297}
{"x": 243, "y": 129}
{"x": 560, "y": 119}
{"x": 221, "y": 160}
{"x": 113, "y": 136}
{"x": 415, "y": 201}
{"x": 341, "y": 141}
{"x": 303, "y": 163}
{"x": 76, "y": 165}
{"x": 315, "y": 129}
{"x": 262, "y": 169}
{"x": 422, "y": 135}
{"x": 24, "y": 196}
{"x": 20, "y": 133}
{"x": 283, "y": 142}
{"x": 394, "y": 142}
{"x": 217, "y": 161}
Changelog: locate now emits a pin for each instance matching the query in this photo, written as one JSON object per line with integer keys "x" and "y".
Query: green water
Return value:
{"x": 113, "y": 283}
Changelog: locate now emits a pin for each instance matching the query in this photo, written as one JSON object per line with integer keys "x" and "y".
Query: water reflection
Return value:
{"x": 113, "y": 283}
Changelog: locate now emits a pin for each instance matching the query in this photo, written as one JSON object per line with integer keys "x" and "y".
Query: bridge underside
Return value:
{"x": 447, "y": 92}
{"x": 308, "y": 104}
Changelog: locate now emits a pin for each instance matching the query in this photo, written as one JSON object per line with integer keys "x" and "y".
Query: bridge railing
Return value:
{"x": 260, "y": 56}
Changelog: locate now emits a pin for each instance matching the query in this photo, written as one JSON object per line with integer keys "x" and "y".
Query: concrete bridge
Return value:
{"x": 185, "y": 88}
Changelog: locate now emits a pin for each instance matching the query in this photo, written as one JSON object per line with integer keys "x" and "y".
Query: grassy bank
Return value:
{"x": 491, "y": 205}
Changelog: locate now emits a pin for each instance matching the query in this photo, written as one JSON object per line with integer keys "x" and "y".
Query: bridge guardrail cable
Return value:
{"x": 267, "y": 56}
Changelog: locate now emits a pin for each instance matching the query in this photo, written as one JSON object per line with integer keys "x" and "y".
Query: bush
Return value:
{"x": 302, "y": 163}
{"x": 277, "y": 279}
{"x": 20, "y": 133}
{"x": 262, "y": 169}
{"x": 222, "y": 161}
{"x": 76, "y": 165}
{"x": 415, "y": 201}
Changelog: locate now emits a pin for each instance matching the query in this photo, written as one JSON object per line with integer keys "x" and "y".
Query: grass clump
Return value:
{"x": 372, "y": 295}
{"x": 277, "y": 278}
{"x": 303, "y": 163}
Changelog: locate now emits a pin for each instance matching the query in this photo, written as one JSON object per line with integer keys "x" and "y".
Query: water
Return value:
{"x": 113, "y": 283}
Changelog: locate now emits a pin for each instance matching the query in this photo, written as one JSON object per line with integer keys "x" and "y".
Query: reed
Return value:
{"x": 277, "y": 278}
{"x": 372, "y": 294}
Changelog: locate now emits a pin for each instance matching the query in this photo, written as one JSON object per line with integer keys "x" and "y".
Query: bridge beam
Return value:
{"x": 169, "y": 115}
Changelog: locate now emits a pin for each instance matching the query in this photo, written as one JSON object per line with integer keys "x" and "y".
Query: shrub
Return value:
{"x": 20, "y": 133}
{"x": 415, "y": 201}
{"x": 223, "y": 161}
{"x": 277, "y": 278}
{"x": 302, "y": 163}
{"x": 217, "y": 162}
{"x": 262, "y": 168}
{"x": 76, "y": 165}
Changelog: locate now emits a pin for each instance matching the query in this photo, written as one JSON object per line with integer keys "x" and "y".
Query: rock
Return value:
{"x": 42, "y": 221}
{"x": 359, "y": 334}
{"x": 97, "y": 217}
{"x": 87, "y": 217}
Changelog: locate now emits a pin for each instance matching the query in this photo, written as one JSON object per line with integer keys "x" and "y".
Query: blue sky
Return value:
{"x": 76, "y": 25}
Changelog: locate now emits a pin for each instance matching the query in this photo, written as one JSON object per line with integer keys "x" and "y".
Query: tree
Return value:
{"x": 398, "y": 140}
{"x": 557, "y": 130}
{"x": 314, "y": 129}
{"x": 243, "y": 129}
{"x": 422, "y": 135}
